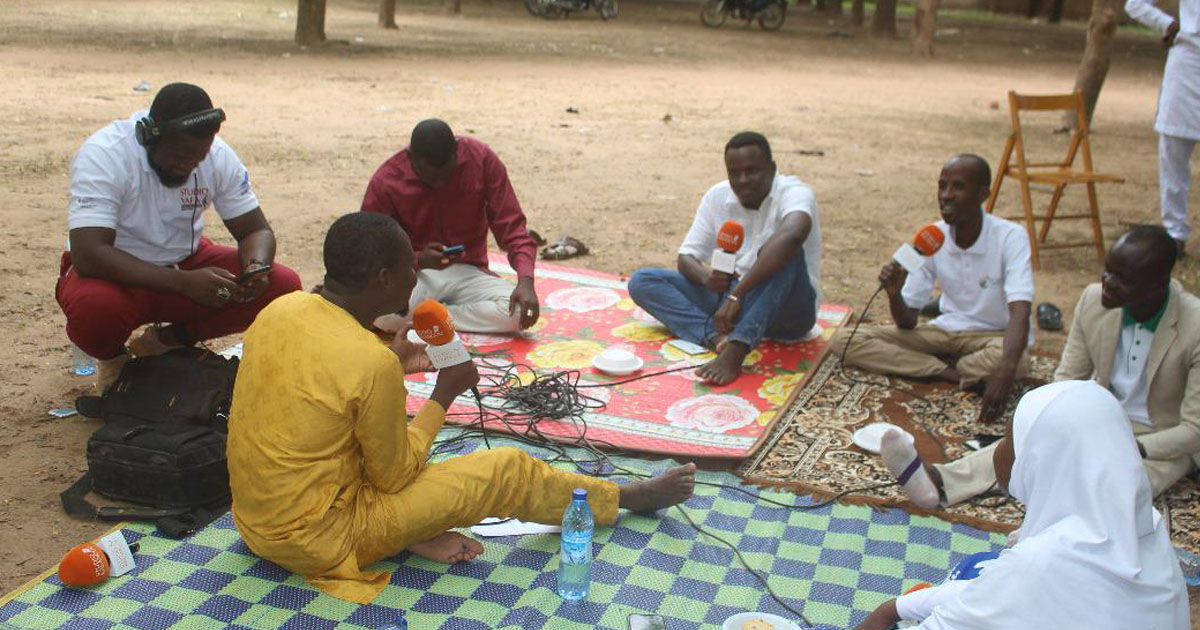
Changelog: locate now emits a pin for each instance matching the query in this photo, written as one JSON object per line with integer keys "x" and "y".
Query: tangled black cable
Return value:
{"x": 526, "y": 397}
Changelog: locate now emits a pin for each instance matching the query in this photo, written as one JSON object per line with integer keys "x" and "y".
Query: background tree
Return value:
{"x": 857, "y": 13}
{"x": 883, "y": 22}
{"x": 310, "y": 22}
{"x": 924, "y": 27}
{"x": 387, "y": 14}
{"x": 453, "y": 7}
{"x": 1097, "y": 55}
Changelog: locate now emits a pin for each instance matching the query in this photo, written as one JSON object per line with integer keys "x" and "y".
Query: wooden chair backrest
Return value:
{"x": 1073, "y": 103}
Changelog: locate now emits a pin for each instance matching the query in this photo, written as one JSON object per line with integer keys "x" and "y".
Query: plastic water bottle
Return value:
{"x": 398, "y": 624}
{"x": 575, "y": 559}
{"x": 1189, "y": 563}
{"x": 81, "y": 363}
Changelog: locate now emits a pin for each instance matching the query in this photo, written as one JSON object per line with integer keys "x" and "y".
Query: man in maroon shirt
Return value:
{"x": 448, "y": 191}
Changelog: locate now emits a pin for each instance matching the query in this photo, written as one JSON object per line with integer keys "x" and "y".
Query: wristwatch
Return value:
{"x": 732, "y": 298}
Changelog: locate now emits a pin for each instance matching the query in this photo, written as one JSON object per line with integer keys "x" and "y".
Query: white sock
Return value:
{"x": 902, "y": 461}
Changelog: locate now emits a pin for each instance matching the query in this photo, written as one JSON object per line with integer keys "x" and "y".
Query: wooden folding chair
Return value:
{"x": 1056, "y": 174}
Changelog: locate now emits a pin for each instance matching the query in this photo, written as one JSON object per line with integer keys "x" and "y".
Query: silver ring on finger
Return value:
{"x": 224, "y": 293}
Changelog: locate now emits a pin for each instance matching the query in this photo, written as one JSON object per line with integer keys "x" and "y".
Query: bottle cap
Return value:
{"x": 579, "y": 494}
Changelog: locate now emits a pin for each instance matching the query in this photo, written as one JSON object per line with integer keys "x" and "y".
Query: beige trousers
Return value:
{"x": 973, "y": 474}
{"x": 922, "y": 351}
{"x": 477, "y": 300}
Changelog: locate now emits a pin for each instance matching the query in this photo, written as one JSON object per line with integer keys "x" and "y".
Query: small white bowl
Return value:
{"x": 617, "y": 362}
{"x": 779, "y": 623}
{"x": 870, "y": 437}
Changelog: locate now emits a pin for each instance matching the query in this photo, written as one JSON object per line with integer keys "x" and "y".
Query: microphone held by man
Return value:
{"x": 909, "y": 258}
{"x": 729, "y": 241}
{"x": 432, "y": 323}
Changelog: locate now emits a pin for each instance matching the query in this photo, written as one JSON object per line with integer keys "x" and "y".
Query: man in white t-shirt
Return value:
{"x": 139, "y": 189}
{"x": 1136, "y": 333}
{"x": 986, "y": 279}
{"x": 774, "y": 288}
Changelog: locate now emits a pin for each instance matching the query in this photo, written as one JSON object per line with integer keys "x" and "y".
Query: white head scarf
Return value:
{"x": 1093, "y": 551}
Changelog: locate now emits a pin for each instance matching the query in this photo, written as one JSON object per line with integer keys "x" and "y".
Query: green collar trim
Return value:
{"x": 1150, "y": 324}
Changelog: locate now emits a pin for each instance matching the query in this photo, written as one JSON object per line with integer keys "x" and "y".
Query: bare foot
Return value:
{"x": 448, "y": 548}
{"x": 670, "y": 488}
{"x": 727, "y": 366}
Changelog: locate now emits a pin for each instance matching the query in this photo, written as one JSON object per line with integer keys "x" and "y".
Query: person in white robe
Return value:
{"x": 1092, "y": 552}
{"x": 1178, "y": 120}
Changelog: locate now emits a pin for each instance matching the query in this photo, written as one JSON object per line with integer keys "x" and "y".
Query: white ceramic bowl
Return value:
{"x": 870, "y": 437}
{"x": 617, "y": 361}
{"x": 775, "y": 621}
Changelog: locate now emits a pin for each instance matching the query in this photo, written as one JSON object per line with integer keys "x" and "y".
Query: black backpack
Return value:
{"x": 163, "y": 442}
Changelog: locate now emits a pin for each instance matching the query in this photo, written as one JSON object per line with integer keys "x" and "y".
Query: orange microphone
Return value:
{"x": 89, "y": 564}
{"x": 433, "y": 325}
{"x": 729, "y": 240}
{"x": 927, "y": 242}
{"x": 84, "y": 565}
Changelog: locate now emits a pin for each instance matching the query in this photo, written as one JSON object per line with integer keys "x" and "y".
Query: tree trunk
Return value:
{"x": 883, "y": 22}
{"x": 453, "y": 7}
{"x": 1089, "y": 78}
{"x": 310, "y": 22}
{"x": 857, "y": 16}
{"x": 924, "y": 26}
{"x": 833, "y": 8}
{"x": 387, "y": 14}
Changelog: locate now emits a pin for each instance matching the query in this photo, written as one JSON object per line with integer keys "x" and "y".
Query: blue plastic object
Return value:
{"x": 575, "y": 557}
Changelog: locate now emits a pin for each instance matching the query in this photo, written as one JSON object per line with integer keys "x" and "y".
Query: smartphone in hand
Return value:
{"x": 251, "y": 274}
{"x": 454, "y": 249}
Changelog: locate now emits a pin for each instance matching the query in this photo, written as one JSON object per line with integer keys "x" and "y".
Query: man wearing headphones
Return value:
{"x": 137, "y": 255}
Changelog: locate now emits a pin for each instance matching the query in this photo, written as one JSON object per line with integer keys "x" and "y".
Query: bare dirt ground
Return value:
{"x": 657, "y": 96}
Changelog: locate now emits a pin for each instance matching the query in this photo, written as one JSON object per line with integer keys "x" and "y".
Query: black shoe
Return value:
{"x": 1049, "y": 317}
{"x": 933, "y": 308}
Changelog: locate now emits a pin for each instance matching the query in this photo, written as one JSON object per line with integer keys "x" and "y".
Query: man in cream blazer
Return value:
{"x": 1137, "y": 333}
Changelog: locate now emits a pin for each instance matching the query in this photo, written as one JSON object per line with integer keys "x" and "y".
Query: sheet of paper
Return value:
{"x": 511, "y": 528}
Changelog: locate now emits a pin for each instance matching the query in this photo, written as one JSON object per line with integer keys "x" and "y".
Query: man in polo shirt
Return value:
{"x": 139, "y": 189}
{"x": 448, "y": 192}
{"x": 986, "y": 279}
{"x": 1137, "y": 332}
{"x": 773, "y": 291}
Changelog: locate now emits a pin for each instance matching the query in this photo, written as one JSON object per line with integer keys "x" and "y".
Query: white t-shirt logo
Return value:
{"x": 193, "y": 199}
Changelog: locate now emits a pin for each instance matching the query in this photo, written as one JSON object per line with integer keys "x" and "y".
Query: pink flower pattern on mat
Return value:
{"x": 582, "y": 299}
{"x": 715, "y": 413}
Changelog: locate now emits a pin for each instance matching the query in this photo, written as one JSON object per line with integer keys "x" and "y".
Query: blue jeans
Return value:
{"x": 784, "y": 307}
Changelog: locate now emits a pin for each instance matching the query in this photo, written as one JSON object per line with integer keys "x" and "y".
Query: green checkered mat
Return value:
{"x": 835, "y": 563}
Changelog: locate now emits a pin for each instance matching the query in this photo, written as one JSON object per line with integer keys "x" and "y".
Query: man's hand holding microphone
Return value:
{"x": 456, "y": 370}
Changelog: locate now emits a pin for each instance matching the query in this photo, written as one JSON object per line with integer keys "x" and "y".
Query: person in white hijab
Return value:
{"x": 1093, "y": 552}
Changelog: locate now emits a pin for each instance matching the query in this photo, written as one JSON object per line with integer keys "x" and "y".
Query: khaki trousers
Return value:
{"x": 973, "y": 474}
{"x": 924, "y": 350}
{"x": 477, "y": 300}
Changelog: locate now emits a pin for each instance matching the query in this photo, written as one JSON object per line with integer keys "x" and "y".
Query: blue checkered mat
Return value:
{"x": 835, "y": 563}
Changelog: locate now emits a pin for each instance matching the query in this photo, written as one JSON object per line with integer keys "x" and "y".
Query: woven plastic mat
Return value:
{"x": 835, "y": 563}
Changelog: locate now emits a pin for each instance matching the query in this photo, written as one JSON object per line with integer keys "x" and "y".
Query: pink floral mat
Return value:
{"x": 584, "y": 312}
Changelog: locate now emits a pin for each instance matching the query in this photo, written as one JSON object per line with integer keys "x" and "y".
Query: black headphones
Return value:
{"x": 147, "y": 131}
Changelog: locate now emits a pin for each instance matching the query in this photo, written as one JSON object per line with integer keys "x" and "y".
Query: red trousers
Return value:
{"x": 101, "y": 315}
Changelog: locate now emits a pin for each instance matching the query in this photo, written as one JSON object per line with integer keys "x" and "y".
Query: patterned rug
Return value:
{"x": 585, "y": 312}
{"x": 810, "y": 449}
{"x": 834, "y": 563}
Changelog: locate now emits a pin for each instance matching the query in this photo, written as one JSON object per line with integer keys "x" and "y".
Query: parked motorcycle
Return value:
{"x": 555, "y": 9}
{"x": 769, "y": 13}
